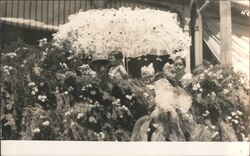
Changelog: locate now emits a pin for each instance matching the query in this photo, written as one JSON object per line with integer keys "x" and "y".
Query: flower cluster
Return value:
{"x": 98, "y": 32}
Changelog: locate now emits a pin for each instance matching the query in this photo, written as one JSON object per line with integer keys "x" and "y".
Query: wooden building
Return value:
{"x": 199, "y": 18}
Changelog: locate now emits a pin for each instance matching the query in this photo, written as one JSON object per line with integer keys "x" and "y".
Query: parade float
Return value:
{"x": 50, "y": 91}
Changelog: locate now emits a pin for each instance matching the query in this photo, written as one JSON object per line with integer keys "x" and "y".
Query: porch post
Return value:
{"x": 225, "y": 33}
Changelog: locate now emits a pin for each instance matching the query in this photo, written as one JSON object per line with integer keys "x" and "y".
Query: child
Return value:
{"x": 117, "y": 70}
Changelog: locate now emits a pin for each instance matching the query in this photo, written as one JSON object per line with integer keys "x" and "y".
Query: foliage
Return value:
{"x": 222, "y": 95}
{"x": 49, "y": 93}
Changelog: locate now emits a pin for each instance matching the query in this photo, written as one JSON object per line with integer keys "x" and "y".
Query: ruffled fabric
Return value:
{"x": 170, "y": 120}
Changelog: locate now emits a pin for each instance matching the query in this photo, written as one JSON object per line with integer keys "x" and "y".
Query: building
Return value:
{"x": 199, "y": 18}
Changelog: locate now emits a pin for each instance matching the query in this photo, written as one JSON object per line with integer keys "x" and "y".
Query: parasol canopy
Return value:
{"x": 134, "y": 32}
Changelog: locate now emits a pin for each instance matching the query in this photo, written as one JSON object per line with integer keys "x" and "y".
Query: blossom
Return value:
{"x": 66, "y": 92}
{"x": 93, "y": 92}
{"x": 7, "y": 69}
{"x": 31, "y": 84}
{"x": 102, "y": 135}
{"x": 206, "y": 113}
{"x": 129, "y": 97}
{"x": 72, "y": 124}
{"x": 70, "y": 88}
{"x": 42, "y": 98}
{"x": 67, "y": 113}
{"x": 92, "y": 119}
{"x": 145, "y": 94}
{"x": 213, "y": 95}
{"x": 34, "y": 90}
{"x": 226, "y": 91}
{"x": 235, "y": 121}
{"x": 155, "y": 125}
{"x": 46, "y": 123}
{"x": 196, "y": 87}
{"x": 233, "y": 113}
{"x": 11, "y": 55}
{"x": 37, "y": 130}
{"x": 158, "y": 59}
{"x": 124, "y": 108}
{"x": 83, "y": 88}
{"x": 239, "y": 112}
{"x": 216, "y": 133}
{"x": 229, "y": 117}
{"x": 80, "y": 115}
{"x": 213, "y": 127}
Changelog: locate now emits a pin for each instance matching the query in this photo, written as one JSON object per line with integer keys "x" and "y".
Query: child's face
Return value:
{"x": 111, "y": 58}
{"x": 169, "y": 71}
{"x": 114, "y": 61}
{"x": 179, "y": 66}
{"x": 146, "y": 77}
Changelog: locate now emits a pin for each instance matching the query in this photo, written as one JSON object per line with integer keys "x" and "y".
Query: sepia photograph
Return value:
{"x": 125, "y": 70}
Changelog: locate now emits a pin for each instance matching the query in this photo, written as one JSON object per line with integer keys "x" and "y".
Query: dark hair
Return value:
{"x": 182, "y": 59}
{"x": 117, "y": 54}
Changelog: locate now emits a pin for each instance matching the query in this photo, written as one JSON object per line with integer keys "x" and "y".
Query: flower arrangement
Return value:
{"x": 98, "y": 32}
{"x": 222, "y": 96}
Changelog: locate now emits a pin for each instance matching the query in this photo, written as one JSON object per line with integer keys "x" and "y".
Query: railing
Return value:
{"x": 49, "y": 14}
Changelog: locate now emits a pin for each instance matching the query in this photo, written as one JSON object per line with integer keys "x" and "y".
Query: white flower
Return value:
{"x": 233, "y": 113}
{"x": 11, "y": 55}
{"x": 148, "y": 130}
{"x": 226, "y": 91}
{"x": 213, "y": 127}
{"x": 239, "y": 112}
{"x": 83, "y": 88}
{"x": 124, "y": 108}
{"x": 201, "y": 90}
{"x": 34, "y": 90}
{"x": 145, "y": 94}
{"x": 46, "y": 123}
{"x": 235, "y": 121}
{"x": 202, "y": 76}
{"x": 158, "y": 59}
{"x": 129, "y": 97}
{"x": 102, "y": 135}
{"x": 155, "y": 125}
{"x": 93, "y": 92}
{"x": 213, "y": 95}
{"x": 37, "y": 130}
{"x": 216, "y": 133}
{"x": 70, "y": 88}
{"x": 92, "y": 119}
{"x": 230, "y": 85}
{"x": 118, "y": 100}
{"x": 72, "y": 124}
{"x": 80, "y": 115}
{"x": 67, "y": 113}
{"x": 229, "y": 117}
{"x": 42, "y": 98}
{"x": 66, "y": 92}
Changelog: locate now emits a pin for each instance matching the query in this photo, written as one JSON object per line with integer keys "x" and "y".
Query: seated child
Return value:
{"x": 117, "y": 70}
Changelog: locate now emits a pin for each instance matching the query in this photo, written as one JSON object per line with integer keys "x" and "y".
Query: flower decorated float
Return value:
{"x": 50, "y": 92}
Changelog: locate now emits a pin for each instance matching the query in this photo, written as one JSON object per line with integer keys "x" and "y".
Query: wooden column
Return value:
{"x": 186, "y": 31}
{"x": 225, "y": 32}
{"x": 198, "y": 40}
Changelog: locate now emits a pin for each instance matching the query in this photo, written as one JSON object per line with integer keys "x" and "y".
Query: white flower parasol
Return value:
{"x": 134, "y": 32}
